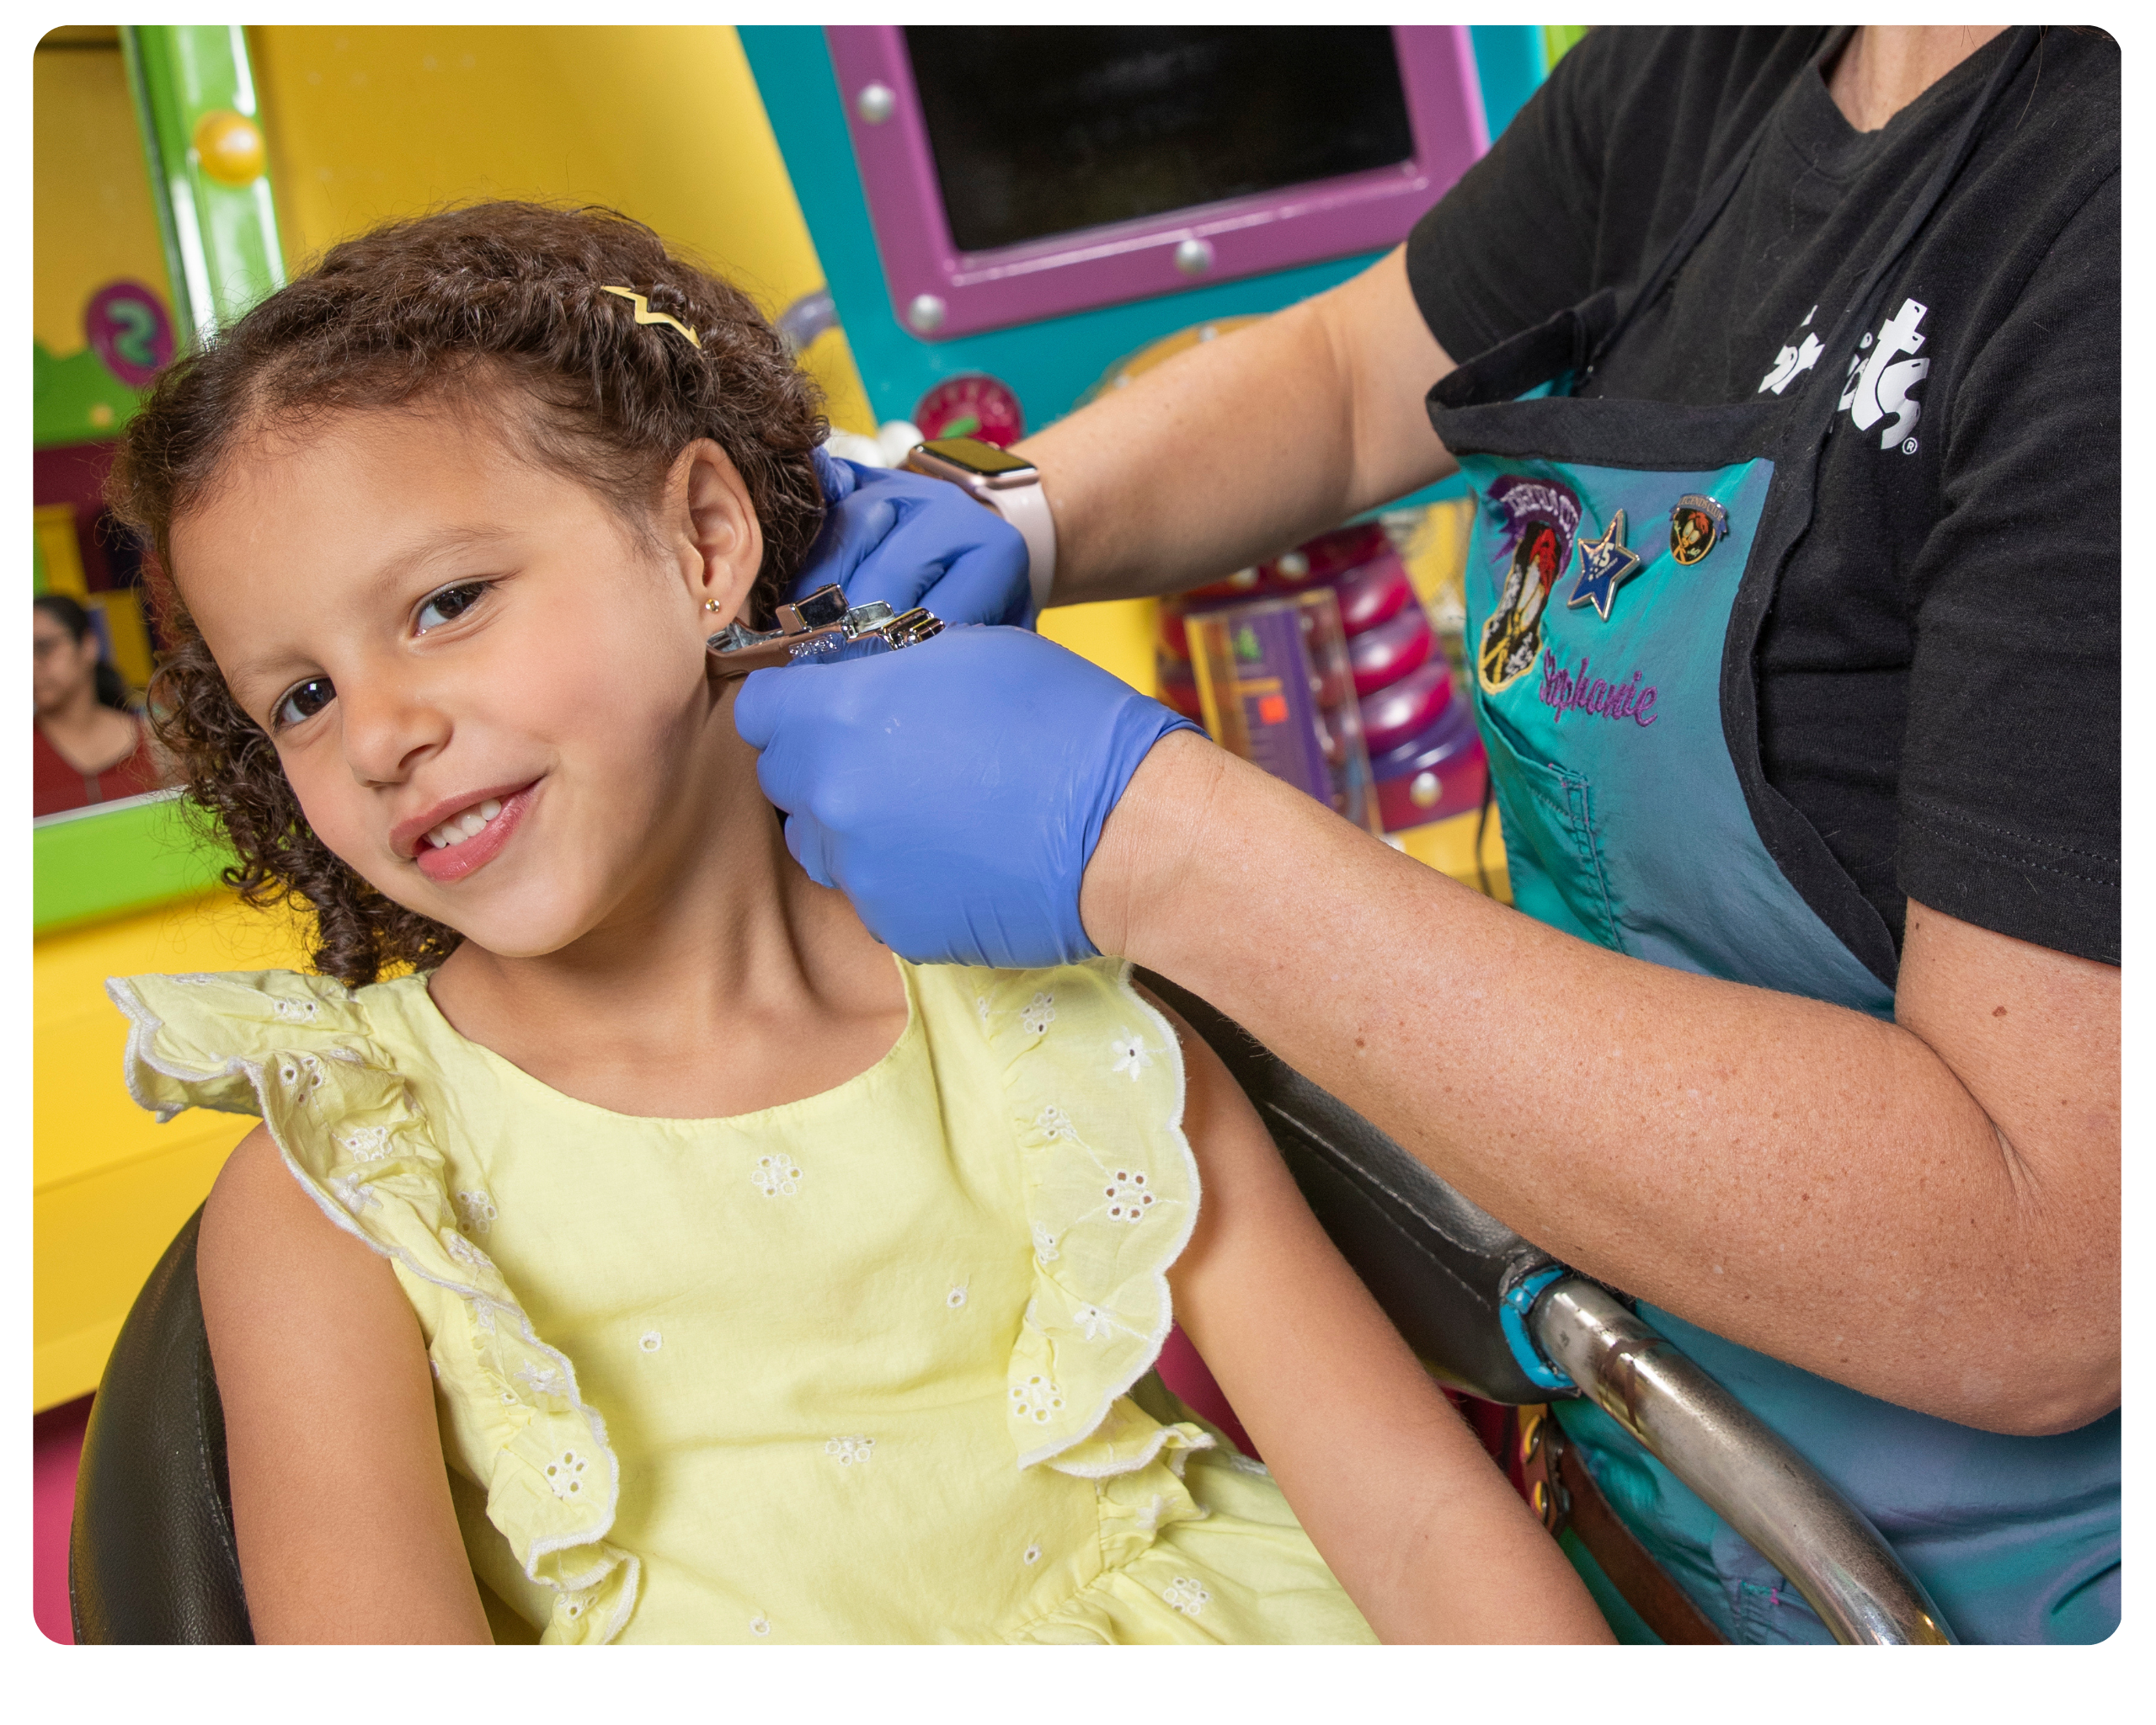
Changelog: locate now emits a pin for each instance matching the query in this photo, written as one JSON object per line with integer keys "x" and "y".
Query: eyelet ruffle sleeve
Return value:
{"x": 1093, "y": 1080}
{"x": 296, "y": 1051}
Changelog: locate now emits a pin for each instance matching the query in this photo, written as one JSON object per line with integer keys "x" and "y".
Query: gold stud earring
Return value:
{"x": 714, "y": 605}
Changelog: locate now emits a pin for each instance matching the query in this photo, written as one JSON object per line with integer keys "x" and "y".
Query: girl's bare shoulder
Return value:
{"x": 269, "y": 1264}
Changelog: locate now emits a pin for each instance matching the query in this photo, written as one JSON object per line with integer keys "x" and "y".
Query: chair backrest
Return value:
{"x": 152, "y": 1558}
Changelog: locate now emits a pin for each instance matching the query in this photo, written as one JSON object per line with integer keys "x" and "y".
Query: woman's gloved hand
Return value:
{"x": 910, "y": 539}
{"x": 953, "y": 791}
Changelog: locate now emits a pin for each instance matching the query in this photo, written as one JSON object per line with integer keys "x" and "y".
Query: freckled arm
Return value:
{"x": 1926, "y": 1210}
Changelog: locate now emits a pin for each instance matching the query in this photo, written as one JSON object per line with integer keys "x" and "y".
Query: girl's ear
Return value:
{"x": 712, "y": 527}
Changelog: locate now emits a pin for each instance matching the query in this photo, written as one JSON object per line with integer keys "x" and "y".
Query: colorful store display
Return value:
{"x": 1276, "y": 686}
{"x": 1425, "y": 759}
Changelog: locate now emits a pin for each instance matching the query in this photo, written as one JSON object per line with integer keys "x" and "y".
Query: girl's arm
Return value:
{"x": 1429, "y": 1539}
{"x": 340, "y": 1496}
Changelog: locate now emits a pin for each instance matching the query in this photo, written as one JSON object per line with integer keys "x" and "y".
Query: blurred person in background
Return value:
{"x": 88, "y": 745}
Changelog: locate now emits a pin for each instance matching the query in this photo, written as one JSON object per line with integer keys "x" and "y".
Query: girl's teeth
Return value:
{"x": 469, "y": 824}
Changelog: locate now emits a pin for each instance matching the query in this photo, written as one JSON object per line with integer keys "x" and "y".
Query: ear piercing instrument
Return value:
{"x": 820, "y": 622}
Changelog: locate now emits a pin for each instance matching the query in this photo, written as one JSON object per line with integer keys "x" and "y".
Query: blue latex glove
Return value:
{"x": 910, "y": 539}
{"x": 954, "y": 791}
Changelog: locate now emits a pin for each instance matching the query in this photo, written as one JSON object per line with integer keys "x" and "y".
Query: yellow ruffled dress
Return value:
{"x": 873, "y": 1366}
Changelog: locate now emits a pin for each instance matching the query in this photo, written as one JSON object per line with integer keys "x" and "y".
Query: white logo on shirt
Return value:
{"x": 1792, "y": 361}
{"x": 1876, "y": 388}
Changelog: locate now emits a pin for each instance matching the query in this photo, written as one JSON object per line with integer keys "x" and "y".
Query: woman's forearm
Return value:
{"x": 1240, "y": 447}
{"x": 1798, "y": 1178}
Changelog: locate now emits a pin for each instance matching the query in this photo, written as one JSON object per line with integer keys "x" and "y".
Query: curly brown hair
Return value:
{"x": 503, "y": 301}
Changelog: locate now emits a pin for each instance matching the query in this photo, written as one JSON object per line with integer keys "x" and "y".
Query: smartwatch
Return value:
{"x": 1009, "y": 484}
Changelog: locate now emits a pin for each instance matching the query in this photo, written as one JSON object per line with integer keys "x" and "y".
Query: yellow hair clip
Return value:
{"x": 646, "y": 315}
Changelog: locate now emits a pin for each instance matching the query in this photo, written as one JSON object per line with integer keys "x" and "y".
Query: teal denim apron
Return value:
{"x": 1623, "y": 556}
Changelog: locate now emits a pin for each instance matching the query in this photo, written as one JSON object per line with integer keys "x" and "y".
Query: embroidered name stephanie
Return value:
{"x": 1569, "y": 691}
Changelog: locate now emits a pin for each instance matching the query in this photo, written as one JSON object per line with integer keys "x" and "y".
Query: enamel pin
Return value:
{"x": 1605, "y": 565}
{"x": 1696, "y": 526}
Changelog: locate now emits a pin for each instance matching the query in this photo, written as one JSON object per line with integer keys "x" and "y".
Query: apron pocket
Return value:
{"x": 1551, "y": 838}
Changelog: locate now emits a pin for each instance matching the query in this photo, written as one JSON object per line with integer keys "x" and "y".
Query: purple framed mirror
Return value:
{"x": 1019, "y": 173}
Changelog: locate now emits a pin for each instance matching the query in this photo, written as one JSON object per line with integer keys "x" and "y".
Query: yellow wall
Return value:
{"x": 91, "y": 218}
{"x": 110, "y": 1187}
{"x": 1117, "y": 634}
{"x": 662, "y": 122}
{"x": 370, "y": 122}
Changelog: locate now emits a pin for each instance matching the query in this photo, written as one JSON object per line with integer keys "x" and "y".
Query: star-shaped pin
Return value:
{"x": 1605, "y": 565}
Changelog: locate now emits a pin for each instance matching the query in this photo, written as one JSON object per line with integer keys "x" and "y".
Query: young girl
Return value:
{"x": 653, "y": 1258}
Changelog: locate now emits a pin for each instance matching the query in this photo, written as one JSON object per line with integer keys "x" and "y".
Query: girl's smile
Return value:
{"x": 469, "y": 836}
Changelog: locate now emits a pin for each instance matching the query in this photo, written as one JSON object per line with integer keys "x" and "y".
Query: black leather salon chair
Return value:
{"x": 152, "y": 1557}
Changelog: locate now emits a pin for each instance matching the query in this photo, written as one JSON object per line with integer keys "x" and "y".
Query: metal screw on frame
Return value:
{"x": 876, "y": 104}
{"x": 924, "y": 314}
{"x": 1194, "y": 256}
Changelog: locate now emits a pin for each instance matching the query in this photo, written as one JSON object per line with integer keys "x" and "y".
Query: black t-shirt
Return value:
{"x": 1939, "y": 678}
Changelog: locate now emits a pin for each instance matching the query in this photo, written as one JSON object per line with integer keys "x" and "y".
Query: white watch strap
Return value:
{"x": 1026, "y": 509}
